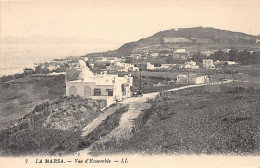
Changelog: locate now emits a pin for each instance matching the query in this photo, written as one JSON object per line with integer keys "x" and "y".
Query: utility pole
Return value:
{"x": 140, "y": 84}
{"x": 188, "y": 78}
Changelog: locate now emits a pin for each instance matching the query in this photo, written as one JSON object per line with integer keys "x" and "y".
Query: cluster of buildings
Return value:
{"x": 106, "y": 59}
{"x": 150, "y": 66}
{"x": 208, "y": 63}
{"x": 191, "y": 65}
{"x": 178, "y": 54}
{"x": 121, "y": 67}
{"x": 115, "y": 82}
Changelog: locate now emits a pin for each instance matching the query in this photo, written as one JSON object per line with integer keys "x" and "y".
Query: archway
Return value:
{"x": 87, "y": 92}
{"x": 72, "y": 91}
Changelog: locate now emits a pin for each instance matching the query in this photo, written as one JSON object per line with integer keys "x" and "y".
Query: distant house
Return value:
{"x": 135, "y": 56}
{"x": 180, "y": 54}
{"x": 166, "y": 66}
{"x": 182, "y": 79}
{"x": 207, "y": 53}
{"x": 51, "y": 67}
{"x": 226, "y": 50}
{"x": 218, "y": 62}
{"x": 91, "y": 65}
{"x": 162, "y": 66}
{"x": 191, "y": 65}
{"x": 252, "y": 51}
{"x": 28, "y": 70}
{"x": 230, "y": 62}
{"x": 133, "y": 69}
{"x": 117, "y": 66}
{"x": 165, "y": 53}
{"x": 107, "y": 59}
{"x": 154, "y": 54}
{"x": 208, "y": 63}
{"x": 192, "y": 79}
{"x": 150, "y": 66}
{"x": 121, "y": 67}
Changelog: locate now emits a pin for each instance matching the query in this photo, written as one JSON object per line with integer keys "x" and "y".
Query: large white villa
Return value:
{"x": 104, "y": 87}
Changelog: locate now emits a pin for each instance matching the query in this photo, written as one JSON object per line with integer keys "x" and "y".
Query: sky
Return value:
{"x": 121, "y": 21}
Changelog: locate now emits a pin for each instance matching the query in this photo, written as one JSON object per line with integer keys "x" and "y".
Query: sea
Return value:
{"x": 15, "y": 57}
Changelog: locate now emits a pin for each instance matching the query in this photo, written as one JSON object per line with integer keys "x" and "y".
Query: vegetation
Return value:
{"x": 243, "y": 57}
{"x": 193, "y": 122}
{"x": 110, "y": 123}
{"x": 19, "y": 96}
{"x": 38, "y": 141}
{"x": 51, "y": 128}
{"x": 40, "y": 69}
{"x": 196, "y": 37}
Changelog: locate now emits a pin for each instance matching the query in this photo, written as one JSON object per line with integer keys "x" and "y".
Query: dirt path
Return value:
{"x": 95, "y": 123}
{"x": 126, "y": 124}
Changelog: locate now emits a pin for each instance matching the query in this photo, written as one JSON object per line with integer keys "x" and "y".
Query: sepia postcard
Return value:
{"x": 122, "y": 84}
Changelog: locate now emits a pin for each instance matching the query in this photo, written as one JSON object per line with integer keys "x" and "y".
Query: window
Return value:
{"x": 109, "y": 92}
{"x": 123, "y": 89}
{"x": 97, "y": 92}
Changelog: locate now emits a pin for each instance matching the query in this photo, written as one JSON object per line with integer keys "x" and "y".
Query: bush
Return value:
{"x": 39, "y": 141}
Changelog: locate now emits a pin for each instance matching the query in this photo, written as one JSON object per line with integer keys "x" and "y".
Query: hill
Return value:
{"x": 197, "y": 38}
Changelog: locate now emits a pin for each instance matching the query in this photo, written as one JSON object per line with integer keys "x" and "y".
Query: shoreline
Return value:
{"x": 12, "y": 71}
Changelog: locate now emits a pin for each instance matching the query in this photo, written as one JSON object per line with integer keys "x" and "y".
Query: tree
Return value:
{"x": 233, "y": 55}
{"x": 246, "y": 57}
{"x": 198, "y": 57}
{"x": 220, "y": 55}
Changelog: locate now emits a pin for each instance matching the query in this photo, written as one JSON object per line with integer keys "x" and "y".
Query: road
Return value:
{"x": 97, "y": 121}
{"x": 126, "y": 124}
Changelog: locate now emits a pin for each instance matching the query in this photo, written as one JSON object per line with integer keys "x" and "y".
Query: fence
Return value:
{"x": 234, "y": 86}
{"x": 213, "y": 87}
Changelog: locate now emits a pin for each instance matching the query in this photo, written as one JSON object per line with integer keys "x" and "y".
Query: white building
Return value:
{"x": 136, "y": 56}
{"x": 106, "y": 88}
{"x": 107, "y": 59}
{"x": 150, "y": 66}
{"x": 191, "y": 65}
{"x": 154, "y": 54}
{"x": 163, "y": 66}
{"x": 121, "y": 67}
{"x": 166, "y": 66}
{"x": 232, "y": 63}
{"x": 180, "y": 54}
{"x": 208, "y": 63}
{"x": 133, "y": 68}
{"x": 207, "y": 53}
{"x": 192, "y": 79}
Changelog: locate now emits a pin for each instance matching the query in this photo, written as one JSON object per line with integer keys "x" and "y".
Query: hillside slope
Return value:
{"x": 197, "y": 38}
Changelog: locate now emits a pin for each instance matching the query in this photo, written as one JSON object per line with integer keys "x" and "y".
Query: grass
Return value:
{"x": 147, "y": 85}
{"x": 18, "y": 97}
{"x": 50, "y": 128}
{"x": 194, "y": 122}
